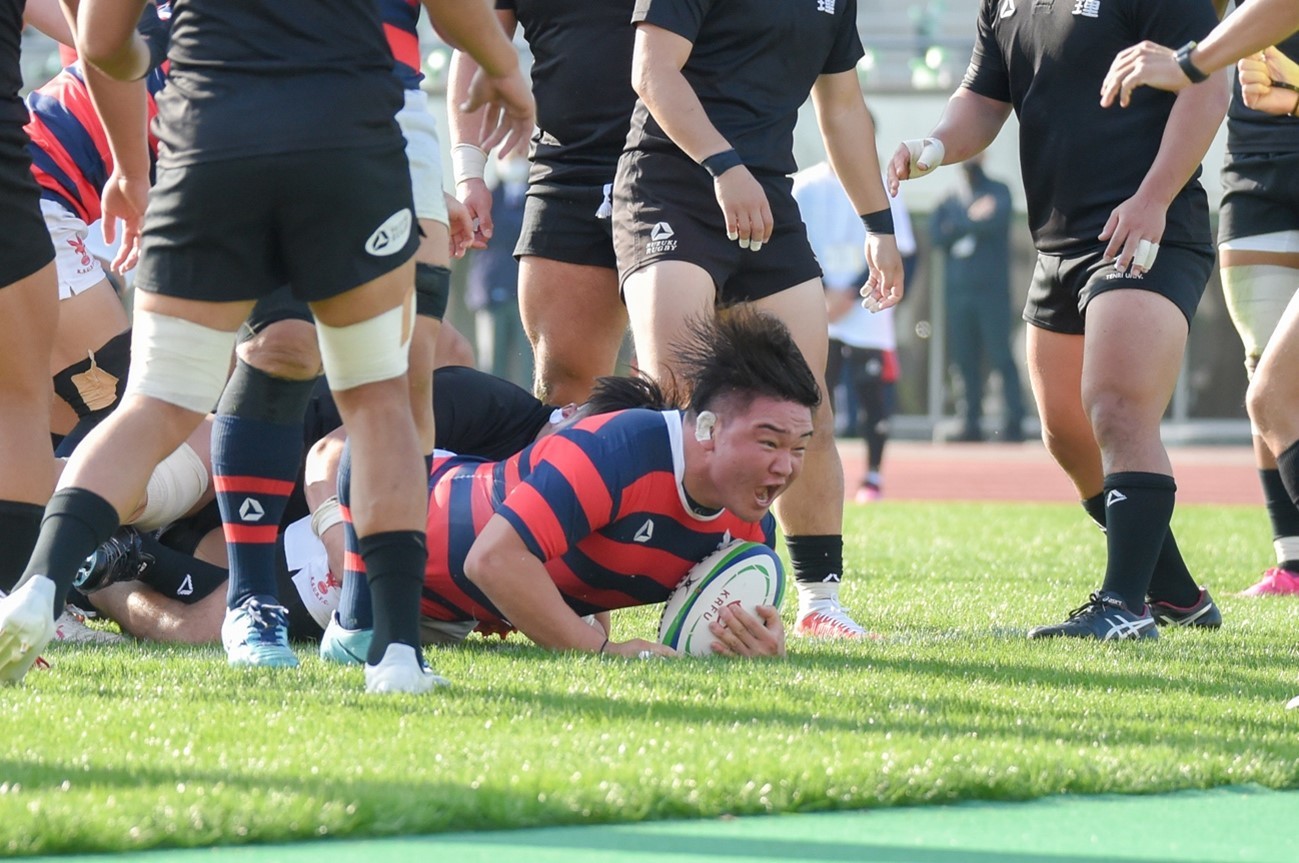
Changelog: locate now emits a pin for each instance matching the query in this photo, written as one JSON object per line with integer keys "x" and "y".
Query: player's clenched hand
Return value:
{"x": 1260, "y": 75}
{"x": 739, "y": 633}
{"x": 883, "y": 288}
{"x": 639, "y": 648}
{"x": 1142, "y": 65}
{"x": 1134, "y": 230}
{"x": 124, "y": 198}
{"x": 744, "y": 207}
{"x": 509, "y": 111}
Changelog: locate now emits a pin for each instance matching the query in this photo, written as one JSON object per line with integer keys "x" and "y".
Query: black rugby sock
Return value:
{"x": 1281, "y": 511}
{"x": 20, "y": 524}
{"x": 76, "y": 522}
{"x": 1287, "y": 464}
{"x": 394, "y": 566}
{"x": 816, "y": 559}
{"x": 1170, "y": 581}
{"x": 178, "y": 575}
{"x": 1138, "y": 507}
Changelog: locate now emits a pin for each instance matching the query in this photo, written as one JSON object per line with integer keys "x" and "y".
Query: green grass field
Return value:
{"x": 131, "y": 747}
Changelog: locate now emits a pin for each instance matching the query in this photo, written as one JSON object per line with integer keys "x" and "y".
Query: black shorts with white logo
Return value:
{"x": 560, "y": 223}
{"x": 25, "y": 244}
{"x": 1064, "y": 285}
{"x": 322, "y": 222}
{"x": 665, "y": 210}
{"x": 1260, "y": 195}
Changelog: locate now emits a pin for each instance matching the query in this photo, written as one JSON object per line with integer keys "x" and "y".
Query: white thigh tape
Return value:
{"x": 175, "y": 486}
{"x": 178, "y": 361}
{"x": 368, "y": 351}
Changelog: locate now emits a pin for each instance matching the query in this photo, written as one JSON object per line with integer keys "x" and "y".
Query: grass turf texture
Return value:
{"x": 131, "y": 747}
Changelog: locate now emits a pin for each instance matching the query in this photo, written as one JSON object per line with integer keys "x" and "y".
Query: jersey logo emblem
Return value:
{"x": 1007, "y": 8}
{"x": 1087, "y": 8}
{"x": 251, "y": 510}
{"x": 646, "y": 532}
{"x": 661, "y": 239}
{"x": 826, "y": 6}
{"x": 186, "y": 587}
{"x": 726, "y": 540}
{"x": 390, "y": 237}
{"x": 1115, "y": 496}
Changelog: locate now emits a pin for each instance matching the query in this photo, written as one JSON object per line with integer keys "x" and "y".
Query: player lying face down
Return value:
{"x": 616, "y": 510}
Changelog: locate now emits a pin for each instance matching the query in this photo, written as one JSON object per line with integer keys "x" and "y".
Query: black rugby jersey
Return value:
{"x": 752, "y": 66}
{"x": 581, "y": 79}
{"x": 12, "y": 109}
{"x": 1079, "y": 160}
{"x": 250, "y": 77}
{"x": 1250, "y": 131}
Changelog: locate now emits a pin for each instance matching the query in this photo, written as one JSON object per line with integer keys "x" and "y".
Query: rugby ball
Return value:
{"x": 747, "y": 574}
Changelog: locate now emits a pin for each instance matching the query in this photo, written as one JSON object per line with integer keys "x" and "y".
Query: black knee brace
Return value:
{"x": 432, "y": 290}
{"x": 252, "y": 394}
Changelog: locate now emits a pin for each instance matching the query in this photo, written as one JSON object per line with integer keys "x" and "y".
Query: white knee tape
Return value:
{"x": 175, "y": 486}
{"x": 178, "y": 361}
{"x": 369, "y": 351}
{"x": 1257, "y": 296}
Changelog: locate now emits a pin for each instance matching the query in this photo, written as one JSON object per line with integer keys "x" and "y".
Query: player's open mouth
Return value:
{"x": 767, "y": 494}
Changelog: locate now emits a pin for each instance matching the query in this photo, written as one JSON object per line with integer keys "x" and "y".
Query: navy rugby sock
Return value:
{"x": 355, "y": 607}
{"x": 256, "y": 451}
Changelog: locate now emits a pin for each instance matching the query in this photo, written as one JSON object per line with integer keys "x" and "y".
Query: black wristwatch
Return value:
{"x": 1188, "y": 68}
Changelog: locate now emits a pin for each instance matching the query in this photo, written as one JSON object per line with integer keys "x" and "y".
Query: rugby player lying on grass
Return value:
{"x": 615, "y": 510}
{"x": 618, "y": 507}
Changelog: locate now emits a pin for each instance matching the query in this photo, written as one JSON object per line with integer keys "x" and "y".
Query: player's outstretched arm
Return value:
{"x": 970, "y": 122}
{"x": 1190, "y": 130}
{"x": 657, "y": 59}
{"x": 518, "y": 584}
{"x": 468, "y": 157}
{"x": 1246, "y": 31}
{"x": 845, "y": 123}
{"x": 498, "y": 88}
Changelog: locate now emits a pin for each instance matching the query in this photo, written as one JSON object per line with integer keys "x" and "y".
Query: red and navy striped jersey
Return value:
{"x": 70, "y": 157}
{"x": 400, "y": 18}
{"x": 601, "y": 504}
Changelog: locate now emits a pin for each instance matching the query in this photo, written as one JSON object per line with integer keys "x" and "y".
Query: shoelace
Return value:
{"x": 266, "y": 618}
{"x": 1095, "y": 602}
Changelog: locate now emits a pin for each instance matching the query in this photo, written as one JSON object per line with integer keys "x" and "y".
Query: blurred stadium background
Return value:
{"x": 916, "y": 53}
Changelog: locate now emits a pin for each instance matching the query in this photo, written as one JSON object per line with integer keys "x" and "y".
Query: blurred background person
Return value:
{"x": 493, "y": 287}
{"x": 862, "y": 365}
{"x": 972, "y": 227}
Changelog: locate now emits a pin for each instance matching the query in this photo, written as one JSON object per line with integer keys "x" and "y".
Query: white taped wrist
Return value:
{"x": 468, "y": 162}
{"x": 926, "y": 155}
{"x": 327, "y": 515}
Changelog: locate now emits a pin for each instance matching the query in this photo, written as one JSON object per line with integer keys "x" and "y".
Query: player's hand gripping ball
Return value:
{"x": 747, "y": 574}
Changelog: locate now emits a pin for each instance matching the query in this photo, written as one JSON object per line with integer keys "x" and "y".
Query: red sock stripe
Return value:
{"x": 346, "y": 511}
{"x": 225, "y": 484}
{"x": 352, "y": 562}
{"x": 248, "y": 533}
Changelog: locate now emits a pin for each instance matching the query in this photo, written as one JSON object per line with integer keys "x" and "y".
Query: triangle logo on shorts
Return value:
{"x": 186, "y": 587}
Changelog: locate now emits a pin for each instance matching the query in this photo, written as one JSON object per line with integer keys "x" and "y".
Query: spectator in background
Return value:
{"x": 972, "y": 227}
{"x": 493, "y": 292}
{"x": 863, "y": 348}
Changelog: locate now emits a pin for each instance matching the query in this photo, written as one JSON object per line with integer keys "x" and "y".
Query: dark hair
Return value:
{"x": 741, "y": 352}
{"x": 618, "y": 394}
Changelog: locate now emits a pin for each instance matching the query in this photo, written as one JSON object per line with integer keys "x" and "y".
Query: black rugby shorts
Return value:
{"x": 560, "y": 224}
{"x": 1064, "y": 285}
{"x": 665, "y": 210}
{"x": 322, "y": 222}
{"x": 1260, "y": 195}
{"x": 25, "y": 244}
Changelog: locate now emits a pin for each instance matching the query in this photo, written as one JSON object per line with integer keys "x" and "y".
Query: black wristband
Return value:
{"x": 1189, "y": 69}
{"x": 719, "y": 163}
{"x": 878, "y": 222}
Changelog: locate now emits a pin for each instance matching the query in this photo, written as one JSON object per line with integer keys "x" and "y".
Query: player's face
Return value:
{"x": 758, "y": 453}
